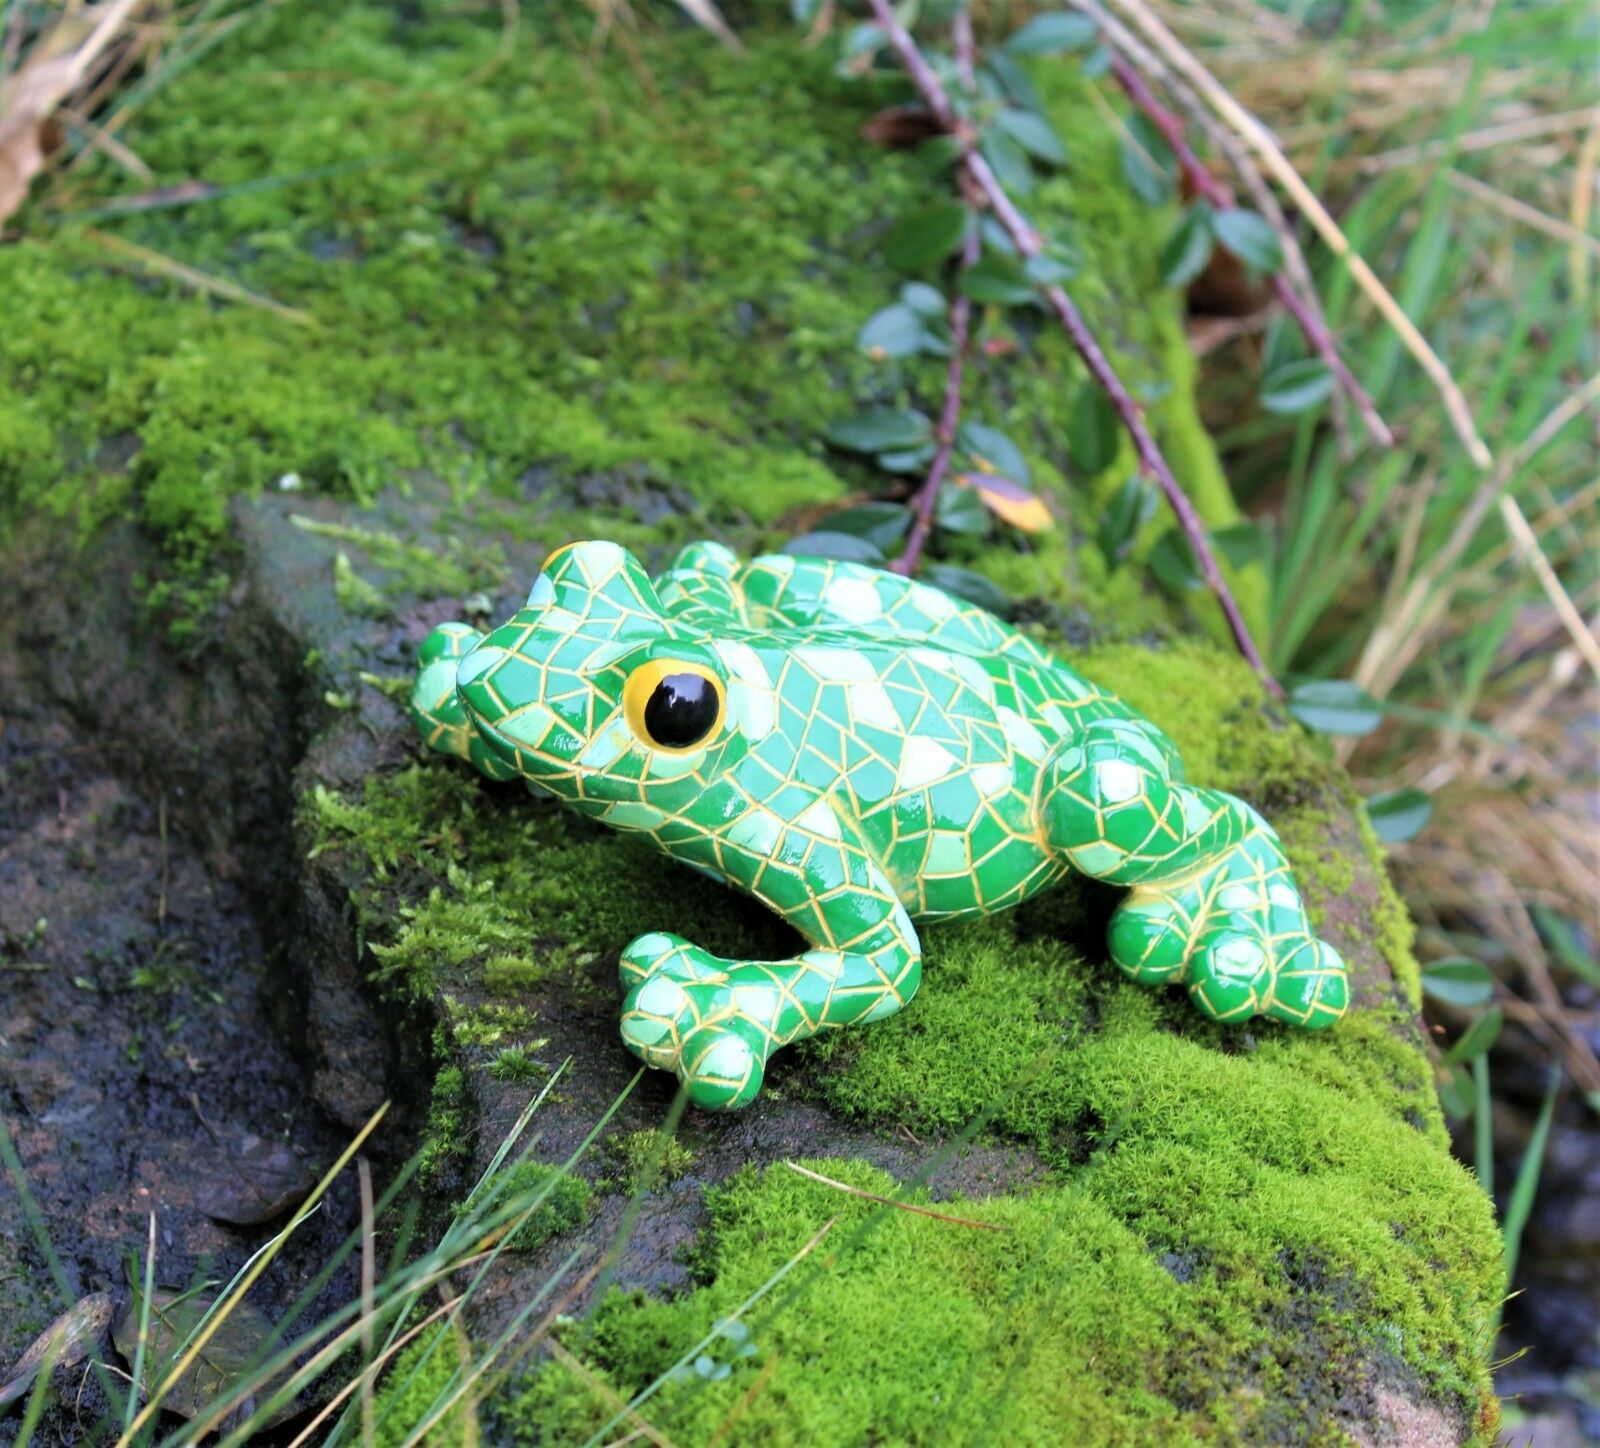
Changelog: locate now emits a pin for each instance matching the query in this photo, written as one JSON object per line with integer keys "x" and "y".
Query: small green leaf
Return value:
{"x": 1008, "y": 161}
{"x": 881, "y": 429}
{"x": 1566, "y": 944}
{"x": 1399, "y": 815}
{"x": 1060, "y": 261}
{"x": 1476, "y": 1039}
{"x": 844, "y": 546}
{"x": 1012, "y": 80}
{"x": 1250, "y": 237}
{"x": 881, "y": 524}
{"x": 896, "y": 331}
{"x": 998, "y": 279}
{"x": 1092, "y": 430}
{"x": 907, "y": 460}
{"x": 973, "y": 587}
{"x": 1052, "y": 33}
{"x": 1242, "y": 544}
{"x": 1335, "y": 706}
{"x": 1173, "y": 563}
{"x": 993, "y": 452}
{"x": 863, "y": 40}
{"x": 1189, "y": 247}
{"x": 927, "y": 302}
{"x": 1148, "y": 165}
{"x": 1132, "y": 506}
{"x": 926, "y": 236}
{"x": 1455, "y": 1094}
{"x": 960, "y": 510}
{"x": 1297, "y": 387}
{"x": 1034, "y": 134}
{"x": 1097, "y": 62}
{"x": 1458, "y": 980}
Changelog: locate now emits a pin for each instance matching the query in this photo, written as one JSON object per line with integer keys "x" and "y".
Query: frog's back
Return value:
{"x": 857, "y": 606}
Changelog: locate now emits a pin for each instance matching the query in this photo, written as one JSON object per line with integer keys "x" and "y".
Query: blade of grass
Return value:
{"x": 209, "y": 1329}
{"x": 145, "y": 1298}
{"x": 1520, "y": 1206}
{"x": 1483, "y": 1124}
{"x": 188, "y": 276}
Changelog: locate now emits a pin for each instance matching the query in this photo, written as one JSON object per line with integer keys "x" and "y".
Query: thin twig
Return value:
{"x": 1028, "y": 243}
{"x": 1266, "y": 147}
{"x": 1217, "y": 193}
{"x": 840, "y": 1186}
{"x": 1237, "y": 155}
{"x": 927, "y": 495}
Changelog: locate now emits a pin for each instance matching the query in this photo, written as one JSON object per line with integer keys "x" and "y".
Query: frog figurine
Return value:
{"x": 858, "y": 751}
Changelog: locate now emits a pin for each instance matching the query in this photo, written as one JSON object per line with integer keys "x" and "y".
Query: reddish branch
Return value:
{"x": 949, "y": 420}
{"x": 1028, "y": 243}
{"x": 1210, "y": 188}
{"x": 960, "y": 324}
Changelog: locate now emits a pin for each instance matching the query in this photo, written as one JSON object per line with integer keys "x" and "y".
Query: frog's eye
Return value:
{"x": 673, "y": 704}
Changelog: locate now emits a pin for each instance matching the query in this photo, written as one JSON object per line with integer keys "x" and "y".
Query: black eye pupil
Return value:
{"x": 681, "y": 711}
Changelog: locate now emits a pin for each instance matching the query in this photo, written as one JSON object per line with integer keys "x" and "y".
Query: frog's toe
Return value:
{"x": 722, "y": 1066}
{"x": 660, "y": 953}
{"x": 1149, "y": 938}
{"x": 1312, "y": 989}
{"x": 1230, "y": 974}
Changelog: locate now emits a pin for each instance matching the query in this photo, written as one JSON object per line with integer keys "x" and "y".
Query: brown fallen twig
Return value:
{"x": 1028, "y": 243}
{"x": 1215, "y": 191}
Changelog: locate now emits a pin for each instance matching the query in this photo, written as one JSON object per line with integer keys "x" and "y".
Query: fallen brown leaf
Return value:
{"x": 30, "y": 95}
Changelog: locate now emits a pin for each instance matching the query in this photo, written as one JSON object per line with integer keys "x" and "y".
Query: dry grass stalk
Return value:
{"x": 899, "y": 1206}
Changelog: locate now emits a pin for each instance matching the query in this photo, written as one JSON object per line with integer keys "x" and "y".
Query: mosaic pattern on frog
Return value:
{"x": 883, "y": 752}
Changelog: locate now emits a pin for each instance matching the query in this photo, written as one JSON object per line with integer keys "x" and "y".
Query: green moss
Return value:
{"x": 563, "y": 1201}
{"x": 445, "y": 1145}
{"x": 420, "y": 1378}
{"x": 540, "y": 272}
{"x": 644, "y": 1160}
{"x": 1108, "y": 1327}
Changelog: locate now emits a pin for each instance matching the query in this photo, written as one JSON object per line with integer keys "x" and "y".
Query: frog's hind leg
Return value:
{"x": 436, "y": 711}
{"x": 1213, "y": 904}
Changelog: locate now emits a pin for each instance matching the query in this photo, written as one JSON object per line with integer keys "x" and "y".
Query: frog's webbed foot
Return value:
{"x": 1235, "y": 932}
{"x": 716, "y": 1022}
{"x": 437, "y": 712}
{"x": 1213, "y": 904}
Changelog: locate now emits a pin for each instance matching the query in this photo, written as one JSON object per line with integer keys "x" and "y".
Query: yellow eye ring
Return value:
{"x": 673, "y": 705}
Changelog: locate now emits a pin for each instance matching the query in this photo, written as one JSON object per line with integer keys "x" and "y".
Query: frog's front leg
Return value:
{"x": 1213, "y": 904}
{"x": 716, "y": 1022}
{"x": 435, "y": 709}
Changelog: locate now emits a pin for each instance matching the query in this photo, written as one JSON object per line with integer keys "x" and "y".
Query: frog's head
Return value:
{"x": 591, "y": 691}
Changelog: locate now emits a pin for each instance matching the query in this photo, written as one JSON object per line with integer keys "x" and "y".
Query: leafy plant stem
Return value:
{"x": 960, "y": 326}
{"x": 1028, "y": 243}
{"x": 1215, "y": 191}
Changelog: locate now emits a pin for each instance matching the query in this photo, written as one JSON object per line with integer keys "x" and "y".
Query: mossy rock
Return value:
{"x": 606, "y": 299}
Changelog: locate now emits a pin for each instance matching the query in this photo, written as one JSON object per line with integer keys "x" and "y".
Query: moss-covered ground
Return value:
{"x": 563, "y": 284}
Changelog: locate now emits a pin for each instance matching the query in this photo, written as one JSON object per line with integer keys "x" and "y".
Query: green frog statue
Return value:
{"x": 859, "y": 751}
